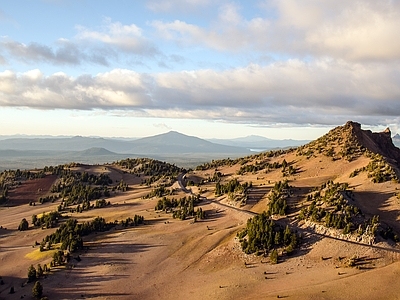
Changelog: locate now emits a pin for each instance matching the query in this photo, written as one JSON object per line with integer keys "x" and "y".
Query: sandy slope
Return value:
{"x": 173, "y": 259}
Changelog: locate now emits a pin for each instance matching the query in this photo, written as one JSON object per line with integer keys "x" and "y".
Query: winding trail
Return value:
{"x": 181, "y": 177}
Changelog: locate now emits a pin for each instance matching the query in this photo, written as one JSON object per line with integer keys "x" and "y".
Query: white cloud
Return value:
{"x": 359, "y": 30}
{"x": 127, "y": 38}
{"x": 66, "y": 53}
{"x": 325, "y": 92}
{"x": 351, "y": 30}
{"x": 100, "y": 47}
{"x": 7, "y": 78}
{"x": 231, "y": 32}
{"x": 360, "y": 33}
{"x": 113, "y": 90}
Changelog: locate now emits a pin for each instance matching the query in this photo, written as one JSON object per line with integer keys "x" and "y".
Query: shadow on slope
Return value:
{"x": 379, "y": 203}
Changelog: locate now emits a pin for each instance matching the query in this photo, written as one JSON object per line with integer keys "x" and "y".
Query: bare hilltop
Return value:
{"x": 319, "y": 221}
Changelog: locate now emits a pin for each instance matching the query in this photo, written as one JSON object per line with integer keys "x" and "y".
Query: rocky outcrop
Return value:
{"x": 376, "y": 142}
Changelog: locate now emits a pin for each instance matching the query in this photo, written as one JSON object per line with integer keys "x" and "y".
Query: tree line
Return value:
{"x": 154, "y": 169}
{"x": 182, "y": 208}
{"x": 233, "y": 186}
{"x": 264, "y": 236}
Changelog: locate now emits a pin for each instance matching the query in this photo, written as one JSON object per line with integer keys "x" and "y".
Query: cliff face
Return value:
{"x": 377, "y": 142}
{"x": 350, "y": 142}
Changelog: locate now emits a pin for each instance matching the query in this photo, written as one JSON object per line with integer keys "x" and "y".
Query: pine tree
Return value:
{"x": 31, "y": 273}
{"x": 34, "y": 219}
{"x": 37, "y": 290}
{"x": 274, "y": 256}
{"x": 24, "y": 225}
{"x": 39, "y": 271}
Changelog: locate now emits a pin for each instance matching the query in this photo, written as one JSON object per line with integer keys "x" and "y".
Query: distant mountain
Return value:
{"x": 54, "y": 153}
{"x": 27, "y": 153}
{"x": 259, "y": 142}
{"x": 96, "y": 152}
{"x": 175, "y": 142}
{"x": 77, "y": 143}
{"x": 171, "y": 142}
{"x": 32, "y": 152}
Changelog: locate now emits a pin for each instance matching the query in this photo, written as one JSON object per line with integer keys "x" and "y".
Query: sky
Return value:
{"x": 208, "y": 68}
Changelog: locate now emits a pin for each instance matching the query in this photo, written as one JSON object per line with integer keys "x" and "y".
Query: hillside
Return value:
{"x": 333, "y": 204}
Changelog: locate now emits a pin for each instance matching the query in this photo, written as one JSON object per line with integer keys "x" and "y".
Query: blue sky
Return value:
{"x": 223, "y": 69}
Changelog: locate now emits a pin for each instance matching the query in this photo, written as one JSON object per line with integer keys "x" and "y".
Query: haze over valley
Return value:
{"x": 189, "y": 151}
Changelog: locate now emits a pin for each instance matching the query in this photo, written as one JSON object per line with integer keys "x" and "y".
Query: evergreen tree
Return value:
{"x": 24, "y": 225}
{"x": 274, "y": 256}
{"x": 34, "y": 220}
{"x": 37, "y": 290}
{"x": 31, "y": 273}
{"x": 39, "y": 271}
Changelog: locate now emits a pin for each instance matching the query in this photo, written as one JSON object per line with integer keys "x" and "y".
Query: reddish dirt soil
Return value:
{"x": 31, "y": 190}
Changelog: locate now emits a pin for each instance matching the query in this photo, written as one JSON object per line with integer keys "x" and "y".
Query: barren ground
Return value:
{"x": 173, "y": 259}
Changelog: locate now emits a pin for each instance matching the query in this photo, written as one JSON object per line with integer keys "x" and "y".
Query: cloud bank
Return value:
{"x": 287, "y": 92}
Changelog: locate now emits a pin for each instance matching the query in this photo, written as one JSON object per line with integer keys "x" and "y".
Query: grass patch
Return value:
{"x": 41, "y": 255}
{"x": 43, "y": 213}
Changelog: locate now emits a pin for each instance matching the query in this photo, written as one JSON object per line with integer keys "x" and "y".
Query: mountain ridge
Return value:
{"x": 125, "y": 145}
{"x": 351, "y": 141}
{"x": 170, "y": 142}
{"x": 348, "y": 141}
